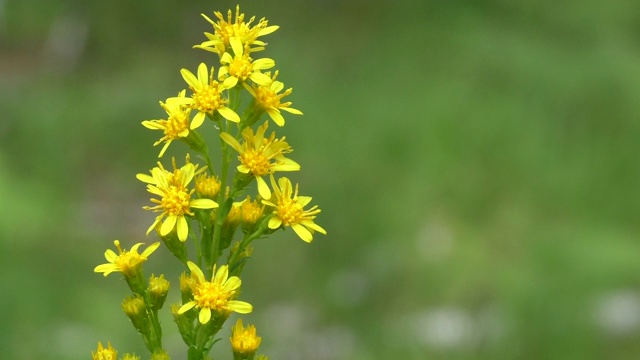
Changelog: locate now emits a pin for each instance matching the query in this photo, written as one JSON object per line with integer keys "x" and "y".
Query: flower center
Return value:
{"x": 128, "y": 261}
{"x": 207, "y": 99}
{"x": 289, "y": 211}
{"x": 241, "y": 67}
{"x": 211, "y": 295}
{"x": 256, "y": 161}
{"x": 267, "y": 97}
{"x": 176, "y": 201}
{"x": 176, "y": 123}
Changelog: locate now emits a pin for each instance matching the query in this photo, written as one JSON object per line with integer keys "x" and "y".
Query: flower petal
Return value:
{"x": 302, "y": 232}
{"x": 204, "y": 316}
{"x": 203, "y": 204}
{"x": 197, "y": 120}
{"x": 275, "y": 222}
{"x": 241, "y": 307}
{"x": 168, "y": 225}
{"x": 229, "y": 114}
{"x": 183, "y": 228}
{"x": 263, "y": 188}
{"x": 186, "y": 307}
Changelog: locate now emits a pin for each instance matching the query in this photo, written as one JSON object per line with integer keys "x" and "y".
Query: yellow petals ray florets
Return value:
{"x": 236, "y": 27}
{"x": 289, "y": 210}
{"x": 175, "y": 201}
{"x": 176, "y": 125}
{"x": 207, "y": 96}
{"x": 260, "y": 155}
{"x": 241, "y": 67}
{"x": 216, "y": 295}
{"x": 268, "y": 99}
{"x": 127, "y": 262}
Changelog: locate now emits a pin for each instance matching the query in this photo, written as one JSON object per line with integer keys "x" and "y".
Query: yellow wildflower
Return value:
{"x": 207, "y": 96}
{"x": 176, "y": 125}
{"x": 241, "y": 67}
{"x": 289, "y": 210}
{"x": 244, "y": 341}
{"x": 175, "y": 201}
{"x": 127, "y": 262}
{"x": 216, "y": 295}
{"x": 268, "y": 99}
{"x": 251, "y": 211}
{"x": 105, "y": 354}
{"x": 207, "y": 186}
{"x": 224, "y": 30}
{"x": 260, "y": 155}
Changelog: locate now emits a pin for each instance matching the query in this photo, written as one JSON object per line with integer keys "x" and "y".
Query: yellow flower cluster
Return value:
{"x": 206, "y": 216}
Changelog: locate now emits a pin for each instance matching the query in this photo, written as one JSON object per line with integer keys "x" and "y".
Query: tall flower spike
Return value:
{"x": 127, "y": 262}
{"x": 175, "y": 126}
{"x": 260, "y": 155}
{"x": 224, "y": 30}
{"x": 268, "y": 99}
{"x": 289, "y": 210}
{"x": 175, "y": 201}
{"x": 207, "y": 96}
{"x": 216, "y": 295}
{"x": 241, "y": 67}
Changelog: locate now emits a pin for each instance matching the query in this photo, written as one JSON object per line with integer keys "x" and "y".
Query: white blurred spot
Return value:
{"x": 618, "y": 313}
{"x": 444, "y": 328}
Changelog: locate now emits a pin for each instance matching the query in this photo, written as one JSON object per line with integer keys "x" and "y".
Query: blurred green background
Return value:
{"x": 476, "y": 163}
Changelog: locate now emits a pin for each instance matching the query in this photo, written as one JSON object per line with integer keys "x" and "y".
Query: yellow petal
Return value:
{"x": 204, "y": 204}
{"x": 229, "y": 114}
{"x": 275, "y": 222}
{"x": 231, "y": 141}
{"x": 195, "y": 270}
{"x": 197, "y": 120}
{"x": 182, "y": 228}
{"x": 302, "y": 232}
{"x": 275, "y": 115}
{"x": 168, "y": 225}
{"x": 203, "y": 74}
{"x": 241, "y": 307}
{"x": 190, "y": 79}
{"x": 204, "y": 316}
{"x": 186, "y": 307}
{"x": 263, "y": 188}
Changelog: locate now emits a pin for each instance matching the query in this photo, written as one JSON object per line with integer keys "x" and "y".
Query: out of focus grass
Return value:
{"x": 476, "y": 163}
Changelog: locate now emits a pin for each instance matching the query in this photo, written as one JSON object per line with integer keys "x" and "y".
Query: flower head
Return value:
{"x": 289, "y": 210}
{"x": 127, "y": 262}
{"x": 241, "y": 67}
{"x": 175, "y": 126}
{"x": 268, "y": 99}
{"x": 236, "y": 27}
{"x": 175, "y": 201}
{"x": 260, "y": 155}
{"x": 216, "y": 295}
{"x": 207, "y": 96}
{"x": 207, "y": 186}
{"x": 105, "y": 354}
{"x": 244, "y": 341}
{"x": 251, "y": 211}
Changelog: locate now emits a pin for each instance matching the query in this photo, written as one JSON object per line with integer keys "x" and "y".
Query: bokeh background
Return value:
{"x": 476, "y": 163}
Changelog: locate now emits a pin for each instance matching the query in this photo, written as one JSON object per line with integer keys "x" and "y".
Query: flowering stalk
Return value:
{"x": 207, "y": 214}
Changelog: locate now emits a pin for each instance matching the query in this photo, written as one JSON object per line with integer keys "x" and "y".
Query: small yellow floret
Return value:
{"x": 105, "y": 354}
{"x": 244, "y": 341}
